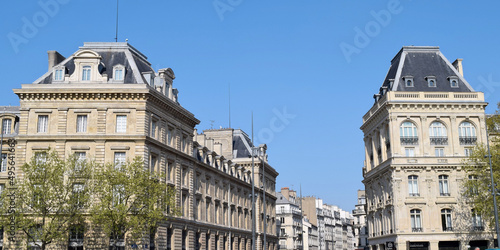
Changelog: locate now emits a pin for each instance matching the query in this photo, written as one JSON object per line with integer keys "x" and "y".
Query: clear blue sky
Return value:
{"x": 278, "y": 56}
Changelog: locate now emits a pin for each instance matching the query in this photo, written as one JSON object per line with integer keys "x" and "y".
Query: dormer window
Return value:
{"x": 59, "y": 73}
{"x": 453, "y": 81}
{"x": 408, "y": 81}
{"x": 431, "y": 81}
{"x": 86, "y": 73}
{"x": 118, "y": 73}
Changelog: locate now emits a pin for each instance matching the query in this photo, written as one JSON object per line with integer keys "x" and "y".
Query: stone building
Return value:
{"x": 425, "y": 121}
{"x": 360, "y": 226}
{"x": 106, "y": 102}
{"x": 334, "y": 225}
{"x": 289, "y": 215}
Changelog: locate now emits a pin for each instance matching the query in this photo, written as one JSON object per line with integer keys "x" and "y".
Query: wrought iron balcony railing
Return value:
{"x": 409, "y": 140}
{"x": 439, "y": 140}
{"x": 468, "y": 140}
{"x": 417, "y": 229}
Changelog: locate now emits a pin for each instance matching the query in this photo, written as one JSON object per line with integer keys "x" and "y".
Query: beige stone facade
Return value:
{"x": 425, "y": 120}
{"x": 105, "y": 102}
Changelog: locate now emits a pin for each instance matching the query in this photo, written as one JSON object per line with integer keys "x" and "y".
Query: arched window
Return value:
{"x": 477, "y": 221}
{"x": 438, "y": 134}
{"x": 408, "y": 133}
{"x": 416, "y": 220}
{"x": 443, "y": 185}
{"x": 413, "y": 185}
{"x": 446, "y": 219}
{"x": 467, "y": 133}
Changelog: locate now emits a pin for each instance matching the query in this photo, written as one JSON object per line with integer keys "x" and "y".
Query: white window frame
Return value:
{"x": 468, "y": 151}
{"x": 431, "y": 82}
{"x": 409, "y": 151}
{"x": 7, "y": 126}
{"x": 119, "y": 73}
{"x": 439, "y": 151}
{"x": 59, "y": 73}
{"x": 437, "y": 129}
{"x": 416, "y": 219}
{"x": 81, "y": 157}
{"x": 408, "y": 129}
{"x": 408, "y": 80}
{"x": 120, "y": 158}
{"x": 121, "y": 123}
{"x": 467, "y": 129}
{"x": 154, "y": 127}
{"x": 43, "y": 124}
{"x": 446, "y": 219}
{"x": 3, "y": 166}
{"x": 81, "y": 123}
{"x": 86, "y": 72}
{"x": 444, "y": 185}
{"x": 413, "y": 185}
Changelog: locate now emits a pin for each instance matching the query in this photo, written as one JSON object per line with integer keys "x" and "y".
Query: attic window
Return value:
{"x": 408, "y": 81}
{"x": 86, "y": 73}
{"x": 453, "y": 81}
{"x": 431, "y": 81}
{"x": 118, "y": 73}
{"x": 59, "y": 73}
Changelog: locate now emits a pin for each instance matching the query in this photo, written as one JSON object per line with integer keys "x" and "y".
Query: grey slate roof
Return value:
{"x": 420, "y": 62}
{"x": 241, "y": 144}
{"x": 112, "y": 54}
{"x": 280, "y": 199}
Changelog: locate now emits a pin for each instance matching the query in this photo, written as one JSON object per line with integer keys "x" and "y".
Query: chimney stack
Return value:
{"x": 54, "y": 58}
{"x": 458, "y": 65}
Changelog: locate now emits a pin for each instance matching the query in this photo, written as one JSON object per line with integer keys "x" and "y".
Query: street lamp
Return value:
{"x": 262, "y": 149}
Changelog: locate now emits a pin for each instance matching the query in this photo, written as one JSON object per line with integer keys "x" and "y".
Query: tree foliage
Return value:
{"x": 46, "y": 202}
{"x": 54, "y": 195}
{"x": 130, "y": 201}
{"x": 478, "y": 187}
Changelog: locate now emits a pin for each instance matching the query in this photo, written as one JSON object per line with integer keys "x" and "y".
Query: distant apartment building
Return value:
{"x": 106, "y": 102}
{"x": 360, "y": 227}
{"x": 289, "y": 215}
{"x": 335, "y": 226}
{"x": 424, "y": 123}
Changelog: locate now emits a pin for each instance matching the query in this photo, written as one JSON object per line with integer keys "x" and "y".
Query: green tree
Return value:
{"x": 49, "y": 198}
{"x": 478, "y": 188}
{"x": 131, "y": 201}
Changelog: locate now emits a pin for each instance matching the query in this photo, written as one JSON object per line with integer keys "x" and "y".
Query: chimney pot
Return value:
{"x": 458, "y": 65}
{"x": 54, "y": 58}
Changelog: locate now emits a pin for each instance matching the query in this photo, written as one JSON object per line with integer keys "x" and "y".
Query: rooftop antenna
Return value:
{"x": 229, "y": 105}
{"x": 116, "y": 33}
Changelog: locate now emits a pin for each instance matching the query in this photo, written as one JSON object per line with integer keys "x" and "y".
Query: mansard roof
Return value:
{"x": 110, "y": 54}
{"x": 421, "y": 63}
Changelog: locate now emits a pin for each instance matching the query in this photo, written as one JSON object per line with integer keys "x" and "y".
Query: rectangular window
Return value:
{"x": 119, "y": 159}
{"x": 40, "y": 157}
{"x": 443, "y": 185}
{"x": 170, "y": 171}
{"x": 154, "y": 125}
{"x": 37, "y": 195}
{"x": 86, "y": 73}
{"x": 413, "y": 185}
{"x": 6, "y": 126}
{"x": 169, "y": 136}
{"x": 121, "y": 123}
{"x": 118, "y": 194}
{"x": 58, "y": 76}
{"x": 410, "y": 152}
{"x": 80, "y": 160}
{"x": 439, "y": 152}
{"x": 119, "y": 74}
{"x": 43, "y": 123}
{"x": 467, "y": 151}
{"x": 81, "y": 123}
{"x": 77, "y": 193}
{"x": 152, "y": 165}
{"x": 3, "y": 166}
{"x": 184, "y": 143}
